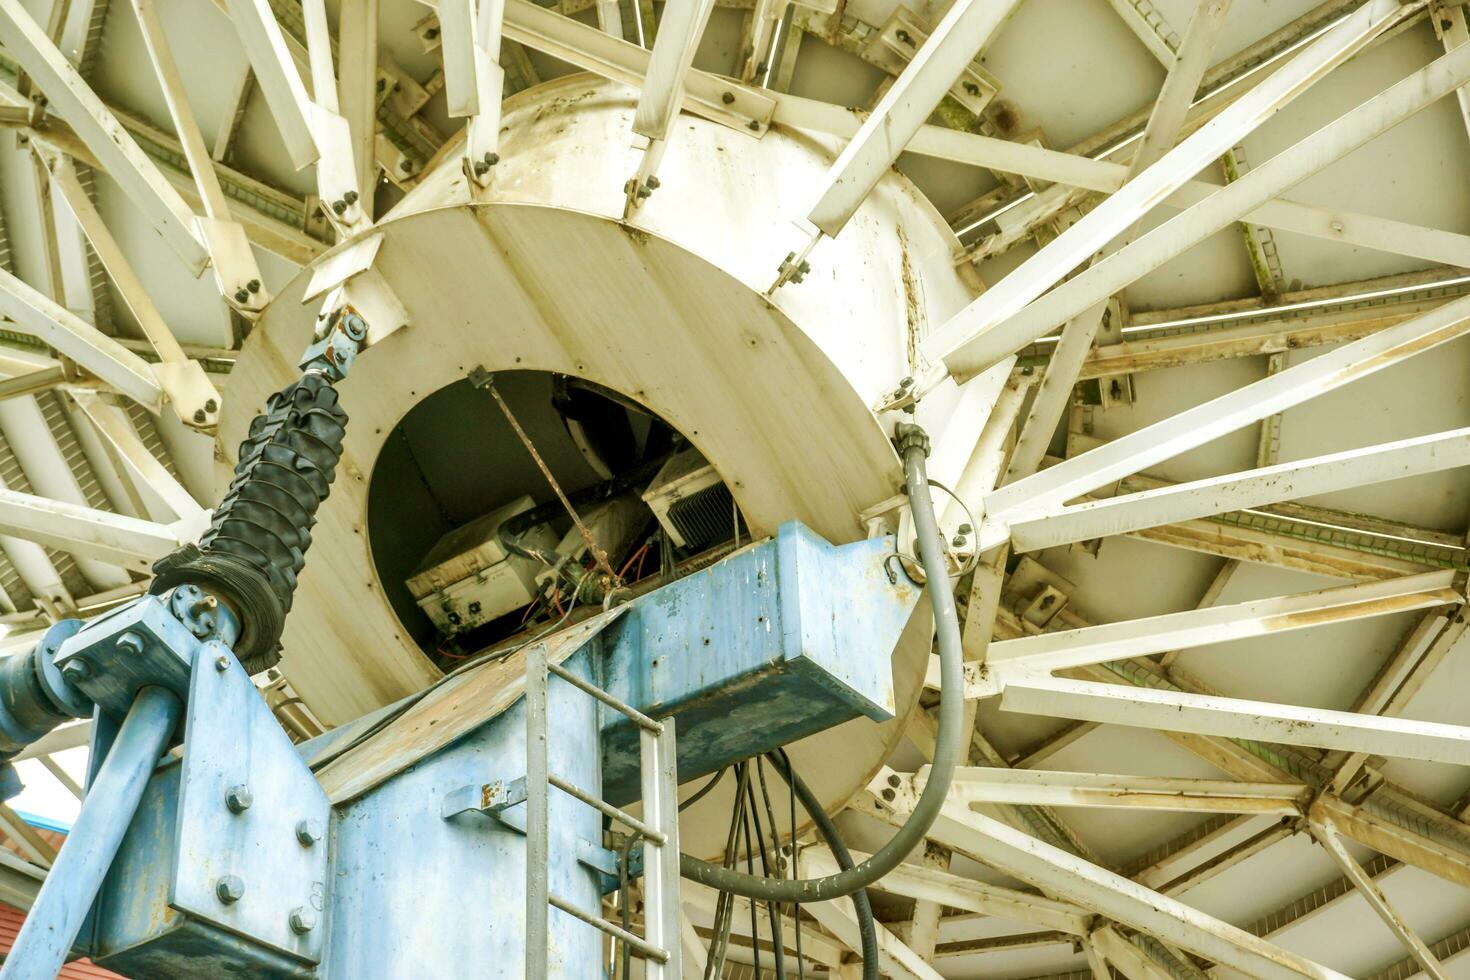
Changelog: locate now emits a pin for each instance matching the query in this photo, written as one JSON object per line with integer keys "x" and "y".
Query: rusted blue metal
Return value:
{"x": 237, "y": 864}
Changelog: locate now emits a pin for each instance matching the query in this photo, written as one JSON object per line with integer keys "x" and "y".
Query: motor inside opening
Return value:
{"x": 473, "y": 544}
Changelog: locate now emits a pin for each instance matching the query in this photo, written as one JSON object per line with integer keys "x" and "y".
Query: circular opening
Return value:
{"x": 471, "y": 541}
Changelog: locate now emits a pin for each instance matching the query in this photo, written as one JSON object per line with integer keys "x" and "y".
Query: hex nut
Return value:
{"x": 222, "y": 663}
{"x": 130, "y": 643}
{"x": 76, "y": 670}
{"x": 229, "y": 889}
{"x": 302, "y": 920}
{"x": 308, "y": 831}
{"x": 238, "y": 798}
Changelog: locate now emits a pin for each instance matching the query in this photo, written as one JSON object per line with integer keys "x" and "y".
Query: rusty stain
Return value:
{"x": 913, "y": 314}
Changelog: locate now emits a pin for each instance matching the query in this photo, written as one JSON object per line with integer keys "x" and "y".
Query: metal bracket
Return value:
{"x": 491, "y": 799}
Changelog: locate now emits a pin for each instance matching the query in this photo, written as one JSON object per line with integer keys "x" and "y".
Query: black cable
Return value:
{"x": 627, "y": 913}
{"x": 760, "y": 771}
{"x": 867, "y": 931}
{"x": 703, "y": 791}
{"x": 795, "y": 909}
{"x": 755, "y": 935}
{"x": 724, "y": 905}
{"x": 772, "y": 912}
{"x": 949, "y": 745}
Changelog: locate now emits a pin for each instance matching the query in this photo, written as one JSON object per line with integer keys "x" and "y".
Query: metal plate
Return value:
{"x": 232, "y": 739}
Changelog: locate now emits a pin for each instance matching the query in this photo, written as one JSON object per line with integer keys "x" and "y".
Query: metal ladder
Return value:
{"x": 659, "y": 828}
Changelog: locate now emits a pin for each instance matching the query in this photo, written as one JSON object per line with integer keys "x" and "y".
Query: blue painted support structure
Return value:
{"x": 422, "y": 868}
{"x": 780, "y": 641}
{"x": 54, "y": 921}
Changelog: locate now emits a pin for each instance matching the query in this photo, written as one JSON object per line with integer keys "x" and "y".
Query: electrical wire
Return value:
{"x": 773, "y": 912}
{"x": 862, "y": 907}
{"x": 974, "y": 527}
{"x": 703, "y": 791}
{"x": 408, "y": 703}
{"x": 950, "y": 738}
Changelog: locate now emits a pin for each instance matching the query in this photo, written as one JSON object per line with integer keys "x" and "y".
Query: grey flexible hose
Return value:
{"x": 867, "y": 933}
{"x": 914, "y": 447}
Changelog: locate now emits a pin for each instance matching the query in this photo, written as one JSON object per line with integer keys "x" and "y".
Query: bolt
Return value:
{"x": 904, "y": 37}
{"x": 338, "y": 207}
{"x": 76, "y": 670}
{"x": 965, "y": 529}
{"x": 130, "y": 643}
{"x": 958, "y": 541}
{"x": 492, "y": 158}
{"x": 481, "y": 168}
{"x": 888, "y": 795}
{"x": 653, "y": 184}
{"x": 238, "y": 798}
{"x": 753, "y": 126}
{"x": 211, "y": 406}
{"x": 302, "y": 920}
{"x": 222, "y": 663}
{"x": 308, "y": 831}
{"x": 199, "y": 415}
{"x": 405, "y": 165}
{"x": 381, "y": 85}
{"x": 241, "y": 295}
{"x": 728, "y": 98}
{"x": 432, "y": 33}
{"x": 253, "y": 285}
{"x": 229, "y": 889}
{"x": 350, "y": 197}
{"x": 894, "y": 781}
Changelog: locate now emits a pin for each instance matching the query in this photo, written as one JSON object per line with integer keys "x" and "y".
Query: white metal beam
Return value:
{"x": 1201, "y": 714}
{"x": 993, "y": 325}
{"x": 275, "y": 72}
{"x": 1378, "y": 901}
{"x": 1039, "y": 163}
{"x": 124, "y": 541}
{"x": 966, "y": 894}
{"x": 104, "y": 136}
{"x": 1048, "y": 652}
{"x": 193, "y": 396}
{"x": 1047, "y": 528}
{"x": 1165, "y": 123}
{"x": 959, "y": 36}
{"x": 662, "y": 93}
{"x": 895, "y": 958}
{"x": 1069, "y": 877}
{"x": 1142, "y": 448}
{"x": 117, "y": 429}
{"x": 978, "y": 784}
{"x": 30, "y": 312}
{"x": 229, "y": 248}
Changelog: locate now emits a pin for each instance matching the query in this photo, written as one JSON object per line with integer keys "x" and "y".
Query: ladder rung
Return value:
{"x": 607, "y": 809}
{"x": 642, "y": 945}
{"x": 638, "y": 717}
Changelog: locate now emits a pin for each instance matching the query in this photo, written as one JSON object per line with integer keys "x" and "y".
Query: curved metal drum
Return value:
{"x": 668, "y": 308}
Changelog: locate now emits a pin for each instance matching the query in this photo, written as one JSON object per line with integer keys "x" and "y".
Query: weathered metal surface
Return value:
{"x": 161, "y": 912}
{"x": 788, "y": 638}
{"x": 404, "y": 877}
{"x": 783, "y": 640}
{"x": 233, "y": 740}
{"x": 449, "y": 712}
{"x": 486, "y": 284}
{"x": 58, "y": 915}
